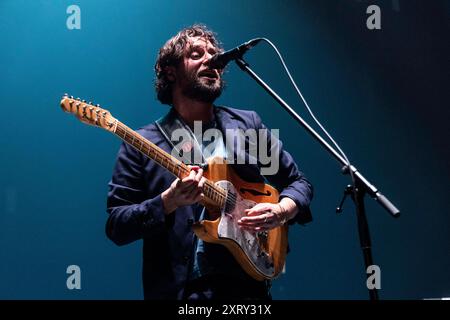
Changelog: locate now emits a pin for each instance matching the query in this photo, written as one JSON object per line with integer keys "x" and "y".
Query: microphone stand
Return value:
{"x": 357, "y": 192}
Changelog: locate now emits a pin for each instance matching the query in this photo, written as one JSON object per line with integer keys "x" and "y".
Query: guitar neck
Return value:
{"x": 214, "y": 195}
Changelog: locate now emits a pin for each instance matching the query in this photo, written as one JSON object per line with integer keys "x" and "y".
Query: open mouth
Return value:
{"x": 208, "y": 74}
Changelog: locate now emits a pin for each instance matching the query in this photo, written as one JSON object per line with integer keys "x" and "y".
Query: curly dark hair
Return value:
{"x": 171, "y": 54}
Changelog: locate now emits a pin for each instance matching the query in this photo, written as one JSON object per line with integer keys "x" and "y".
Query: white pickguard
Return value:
{"x": 248, "y": 241}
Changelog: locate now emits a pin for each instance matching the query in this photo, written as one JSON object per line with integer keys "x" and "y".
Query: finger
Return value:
{"x": 202, "y": 182}
{"x": 196, "y": 197}
{"x": 185, "y": 186}
{"x": 192, "y": 174}
{"x": 193, "y": 194}
{"x": 260, "y": 220}
{"x": 260, "y": 208}
{"x": 257, "y": 228}
{"x": 189, "y": 178}
{"x": 199, "y": 196}
{"x": 193, "y": 170}
{"x": 199, "y": 174}
{"x": 252, "y": 229}
{"x": 255, "y": 220}
{"x": 176, "y": 183}
{"x": 189, "y": 187}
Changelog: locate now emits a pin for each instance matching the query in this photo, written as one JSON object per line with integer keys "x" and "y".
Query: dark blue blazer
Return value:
{"x": 136, "y": 211}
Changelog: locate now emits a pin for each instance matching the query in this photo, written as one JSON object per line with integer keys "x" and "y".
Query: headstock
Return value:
{"x": 88, "y": 113}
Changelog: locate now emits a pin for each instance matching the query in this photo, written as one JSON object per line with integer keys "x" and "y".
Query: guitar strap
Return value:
{"x": 190, "y": 152}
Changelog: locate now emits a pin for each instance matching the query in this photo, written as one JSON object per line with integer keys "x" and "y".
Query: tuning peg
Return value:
{"x": 71, "y": 97}
{"x": 66, "y": 95}
{"x": 78, "y": 98}
{"x": 97, "y": 105}
{"x": 90, "y": 102}
{"x": 84, "y": 101}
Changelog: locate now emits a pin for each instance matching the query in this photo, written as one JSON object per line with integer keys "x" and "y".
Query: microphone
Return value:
{"x": 220, "y": 60}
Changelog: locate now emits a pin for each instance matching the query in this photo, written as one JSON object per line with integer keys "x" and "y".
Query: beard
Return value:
{"x": 203, "y": 89}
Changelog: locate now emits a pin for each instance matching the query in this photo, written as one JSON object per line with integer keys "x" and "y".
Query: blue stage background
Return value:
{"x": 383, "y": 94}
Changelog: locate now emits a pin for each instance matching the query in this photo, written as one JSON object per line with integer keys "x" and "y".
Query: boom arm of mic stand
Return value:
{"x": 370, "y": 189}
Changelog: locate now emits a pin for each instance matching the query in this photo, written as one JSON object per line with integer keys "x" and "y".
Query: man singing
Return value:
{"x": 146, "y": 202}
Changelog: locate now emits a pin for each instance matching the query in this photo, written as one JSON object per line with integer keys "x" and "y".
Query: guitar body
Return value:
{"x": 262, "y": 255}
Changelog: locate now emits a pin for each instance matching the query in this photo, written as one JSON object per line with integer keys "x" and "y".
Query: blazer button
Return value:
{"x": 190, "y": 221}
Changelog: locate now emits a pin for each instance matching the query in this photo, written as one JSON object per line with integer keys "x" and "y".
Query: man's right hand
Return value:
{"x": 184, "y": 192}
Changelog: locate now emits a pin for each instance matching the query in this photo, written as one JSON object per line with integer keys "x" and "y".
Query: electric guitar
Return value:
{"x": 262, "y": 254}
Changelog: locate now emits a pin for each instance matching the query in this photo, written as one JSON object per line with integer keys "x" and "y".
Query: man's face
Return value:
{"x": 194, "y": 76}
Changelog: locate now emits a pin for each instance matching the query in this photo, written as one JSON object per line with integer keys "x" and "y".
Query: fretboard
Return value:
{"x": 214, "y": 193}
